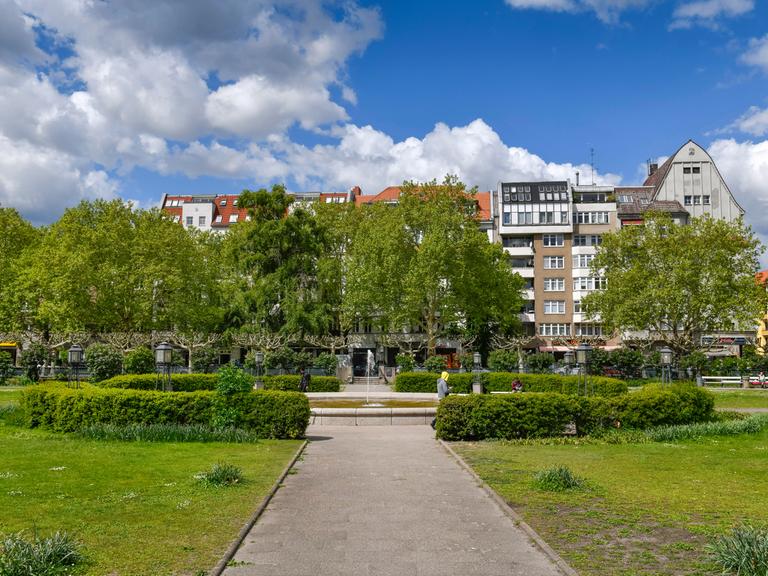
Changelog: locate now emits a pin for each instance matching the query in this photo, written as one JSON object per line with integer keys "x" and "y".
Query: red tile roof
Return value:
{"x": 392, "y": 194}
{"x": 229, "y": 208}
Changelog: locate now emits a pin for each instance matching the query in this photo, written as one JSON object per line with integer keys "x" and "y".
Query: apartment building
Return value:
{"x": 550, "y": 231}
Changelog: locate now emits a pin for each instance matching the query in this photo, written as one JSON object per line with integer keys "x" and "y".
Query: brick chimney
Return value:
{"x": 354, "y": 193}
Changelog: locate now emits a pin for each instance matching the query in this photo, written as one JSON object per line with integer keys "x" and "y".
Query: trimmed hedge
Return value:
{"x": 268, "y": 414}
{"x": 180, "y": 382}
{"x": 194, "y": 382}
{"x": 502, "y": 382}
{"x": 526, "y": 415}
{"x": 291, "y": 382}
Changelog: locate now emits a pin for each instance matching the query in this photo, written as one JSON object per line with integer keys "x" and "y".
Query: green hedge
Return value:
{"x": 481, "y": 416}
{"x": 291, "y": 382}
{"x": 180, "y": 382}
{"x": 269, "y": 414}
{"x": 502, "y": 382}
{"x": 194, "y": 382}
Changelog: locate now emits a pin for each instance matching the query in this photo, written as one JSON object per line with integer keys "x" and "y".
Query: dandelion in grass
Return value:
{"x": 7, "y": 475}
{"x": 57, "y": 468}
{"x": 558, "y": 479}
{"x": 130, "y": 496}
{"x": 183, "y": 504}
{"x": 15, "y": 493}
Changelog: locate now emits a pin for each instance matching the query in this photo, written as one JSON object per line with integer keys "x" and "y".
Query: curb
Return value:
{"x": 235, "y": 546}
{"x": 514, "y": 516}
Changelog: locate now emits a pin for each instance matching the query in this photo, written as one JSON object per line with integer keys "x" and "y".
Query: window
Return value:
{"x": 554, "y": 306}
{"x": 552, "y": 239}
{"x": 514, "y": 196}
{"x": 506, "y": 218}
{"x": 555, "y": 329}
{"x": 554, "y": 262}
{"x": 589, "y": 283}
{"x": 218, "y": 218}
{"x": 201, "y": 221}
{"x": 583, "y": 260}
{"x": 525, "y": 218}
{"x": 506, "y": 197}
{"x": 625, "y": 199}
{"x": 705, "y": 200}
{"x": 587, "y": 240}
{"x": 592, "y": 217}
{"x": 696, "y": 170}
{"x": 190, "y": 220}
{"x": 688, "y": 200}
{"x": 233, "y": 218}
{"x": 588, "y": 329}
{"x": 697, "y": 200}
{"x": 686, "y": 170}
{"x": 234, "y": 202}
{"x": 577, "y": 306}
{"x": 546, "y": 217}
{"x": 554, "y": 284}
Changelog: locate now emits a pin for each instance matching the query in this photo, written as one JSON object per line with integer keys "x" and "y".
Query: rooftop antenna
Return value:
{"x": 592, "y": 164}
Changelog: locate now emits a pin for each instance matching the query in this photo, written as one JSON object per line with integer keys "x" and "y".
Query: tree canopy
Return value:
{"x": 678, "y": 281}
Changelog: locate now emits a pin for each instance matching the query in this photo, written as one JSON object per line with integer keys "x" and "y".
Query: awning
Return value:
{"x": 9, "y": 344}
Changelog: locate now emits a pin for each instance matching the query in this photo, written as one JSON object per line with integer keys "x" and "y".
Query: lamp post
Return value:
{"x": 477, "y": 387}
{"x": 666, "y": 366}
{"x": 569, "y": 359}
{"x": 259, "y": 358}
{"x": 163, "y": 362}
{"x": 75, "y": 360}
{"x": 583, "y": 351}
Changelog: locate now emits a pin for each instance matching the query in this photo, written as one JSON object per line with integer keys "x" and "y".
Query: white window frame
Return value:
{"x": 554, "y": 284}
{"x": 554, "y": 306}
{"x": 558, "y": 261}
{"x": 553, "y": 240}
{"x": 233, "y": 218}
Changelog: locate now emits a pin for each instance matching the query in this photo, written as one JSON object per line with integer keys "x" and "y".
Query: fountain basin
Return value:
{"x": 372, "y": 416}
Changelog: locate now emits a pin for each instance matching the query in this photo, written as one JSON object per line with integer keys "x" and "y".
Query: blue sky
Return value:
{"x": 137, "y": 98}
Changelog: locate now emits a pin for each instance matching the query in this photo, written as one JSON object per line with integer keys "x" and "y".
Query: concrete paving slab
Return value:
{"x": 379, "y": 500}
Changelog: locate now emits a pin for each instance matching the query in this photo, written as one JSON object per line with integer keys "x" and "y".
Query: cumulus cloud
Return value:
{"x": 707, "y": 12}
{"x": 148, "y": 80}
{"x": 744, "y": 165}
{"x": 608, "y": 11}
{"x": 757, "y": 53}
{"x": 754, "y": 121}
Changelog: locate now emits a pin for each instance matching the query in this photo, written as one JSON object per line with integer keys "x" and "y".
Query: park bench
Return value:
{"x": 733, "y": 381}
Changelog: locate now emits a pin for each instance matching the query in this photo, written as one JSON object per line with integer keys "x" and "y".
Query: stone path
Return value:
{"x": 384, "y": 500}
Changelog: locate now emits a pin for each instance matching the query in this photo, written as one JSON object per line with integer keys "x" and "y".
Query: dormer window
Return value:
{"x": 232, "y": 218}
{"x": 218, "y": 219}
{"x": 223, "y": 202}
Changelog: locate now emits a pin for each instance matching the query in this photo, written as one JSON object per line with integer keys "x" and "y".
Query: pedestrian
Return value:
{"x": 517, "y": 386}
{"x": 761, "y": 379}
{"x": 304, "y": 383}
{"x": 443, "y": 390}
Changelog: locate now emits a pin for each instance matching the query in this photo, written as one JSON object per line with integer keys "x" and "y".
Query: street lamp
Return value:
{"x": 477, "y": 387}
{"x": 666, "y": 365}
{"x": 163, "y": 362}
{"x": 259, "y": 358}
{"x": 75, "y": 360}
{"x": 583, "y": 352}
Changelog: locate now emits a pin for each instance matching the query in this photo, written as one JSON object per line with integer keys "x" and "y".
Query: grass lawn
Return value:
{"x": 9, "y": 395}
{"x": 135, "y": 506}
{"x": 652, "y": 508}
{"x": 741, "y": 399}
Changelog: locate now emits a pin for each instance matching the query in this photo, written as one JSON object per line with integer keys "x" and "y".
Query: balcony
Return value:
{"x": 519, "y": 250}
{"x": 527, "y": 317}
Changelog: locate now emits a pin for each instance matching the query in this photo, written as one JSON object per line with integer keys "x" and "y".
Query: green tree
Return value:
{"x": 540, "y": 362}
{"x": 18, "y": 236}
{"x": 274, "y": 259}
{"x": 139, "y": 361}
{"x": 679, "y": 281}
{"x": 105, "y": 267}
{"x": 431, "y": 266}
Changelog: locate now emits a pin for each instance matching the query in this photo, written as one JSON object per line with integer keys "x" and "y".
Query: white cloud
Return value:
{"x": 744, "y": 165}
{"x": 256, "y": 108}
{"x": 40, "y": 182}
{"x": 369, "y": 158}
{"x": 754, "y": 121}
{"x": 608, "y": 11}
{"x": 757, "y": 53}
{"x": 707, "y": 12}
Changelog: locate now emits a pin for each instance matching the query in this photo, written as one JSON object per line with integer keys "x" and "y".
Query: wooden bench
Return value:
{"x": 731, "y": 381}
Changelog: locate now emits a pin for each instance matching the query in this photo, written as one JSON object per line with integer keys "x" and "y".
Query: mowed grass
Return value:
{"x": 741, "y": 399}
{"x": 649, "y": 509}
{"x": 135, "y": 506}
{"x": 9, "y": 395}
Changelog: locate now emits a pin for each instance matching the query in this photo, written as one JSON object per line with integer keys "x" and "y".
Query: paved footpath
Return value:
{"x": 384, "y": 500}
